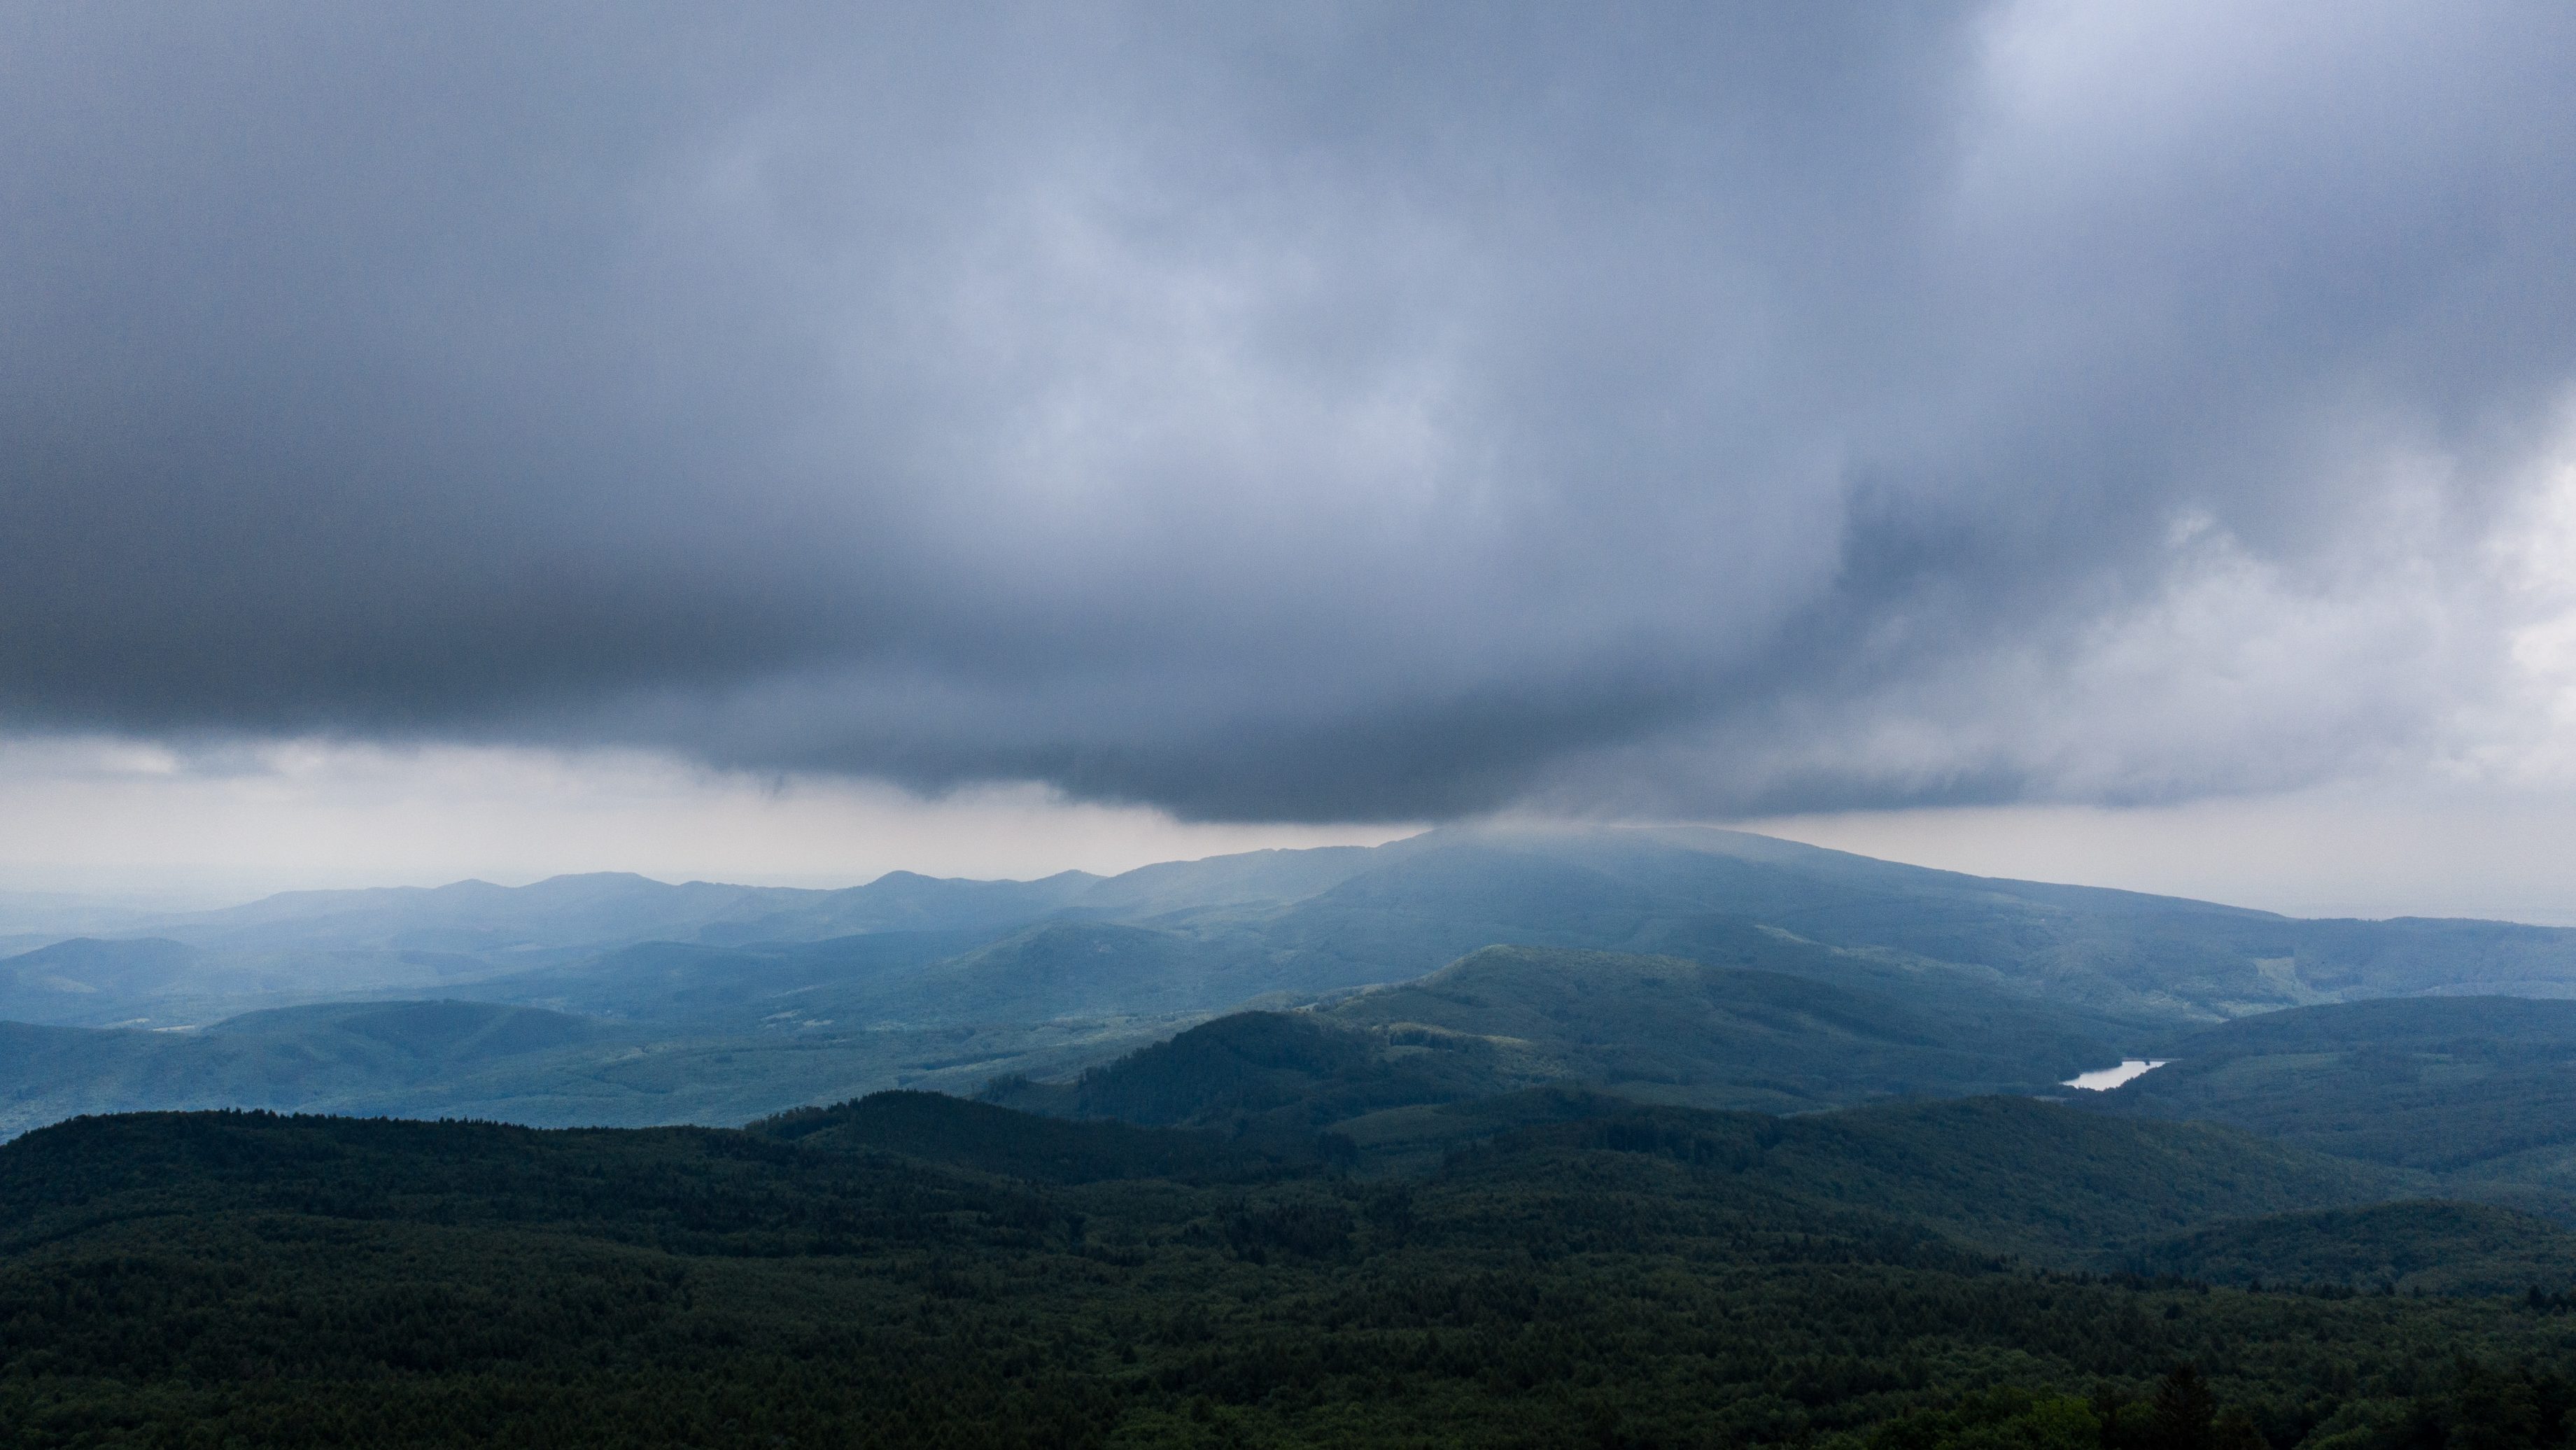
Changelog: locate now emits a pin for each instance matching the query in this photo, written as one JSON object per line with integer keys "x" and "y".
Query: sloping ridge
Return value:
{"x": 2481, "y": 1091}
{"x": 2409, "y": 1246}
{"x": 2045, "y": 1183}
{"x": 956, "y": 1133}
{"x": 2430, "y": 1023}
{"x": 442, "y": 1032}
{"x": 1057, "y": 969}
{"x": 1505, "y": 1018}
{"x": 1285, "y": 1071}
{"x": 349, "y": 1056}
{"x": 1344, "y": 916}
{"x": 2029, "y": 1178}
{"x": 84, "y": 966}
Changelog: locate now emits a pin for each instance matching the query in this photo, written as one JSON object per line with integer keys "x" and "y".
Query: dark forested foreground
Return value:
{"x": 921, "y": 1271}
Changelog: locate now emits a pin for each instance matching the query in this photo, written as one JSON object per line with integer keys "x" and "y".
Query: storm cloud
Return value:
{"x": 1302, "y": 412}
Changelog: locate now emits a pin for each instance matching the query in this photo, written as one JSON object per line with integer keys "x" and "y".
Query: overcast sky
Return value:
{"x": 2136, "y": 439}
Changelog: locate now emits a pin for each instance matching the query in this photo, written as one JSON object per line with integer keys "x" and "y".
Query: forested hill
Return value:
{"x": 924, "y": 1271}
{"x": 2409, "y": 1247}
{"x": 1709, "y": 968}
{"x": 2477, "y": 1091}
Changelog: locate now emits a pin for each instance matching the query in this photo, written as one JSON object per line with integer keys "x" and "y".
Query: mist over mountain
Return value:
{"x": 1682, "y": 965}
{"x": 1476, "y": 1086}
{"x": 916, "y": 448}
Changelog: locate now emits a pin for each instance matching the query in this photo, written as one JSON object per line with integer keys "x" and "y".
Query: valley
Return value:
{"x": 1606, "y": 1135}
{"x": 1794, "y": 978}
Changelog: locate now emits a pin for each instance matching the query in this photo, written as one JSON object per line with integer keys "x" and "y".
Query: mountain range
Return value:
{"x": 1545, "y": 1136}
{"x": 1686, "y": 965}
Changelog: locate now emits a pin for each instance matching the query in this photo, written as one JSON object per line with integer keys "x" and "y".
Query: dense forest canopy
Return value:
{"x": 922, "y": 1270}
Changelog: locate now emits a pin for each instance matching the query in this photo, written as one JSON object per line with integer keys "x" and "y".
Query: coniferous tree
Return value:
{"x": 2185, "y": 1411}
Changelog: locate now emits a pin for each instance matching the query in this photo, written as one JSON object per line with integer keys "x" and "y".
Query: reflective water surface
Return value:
{"x": 2103, "y": 1079}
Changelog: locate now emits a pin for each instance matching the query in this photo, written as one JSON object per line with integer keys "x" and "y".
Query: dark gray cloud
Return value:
{"x": 1331, "y": 412}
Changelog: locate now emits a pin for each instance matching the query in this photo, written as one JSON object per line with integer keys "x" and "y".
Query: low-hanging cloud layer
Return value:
{"x": 1306, "y": 412}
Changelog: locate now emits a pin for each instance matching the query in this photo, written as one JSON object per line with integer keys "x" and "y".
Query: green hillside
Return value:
{"x": 228, "y": 1278}
{"x": 2475, "y": 1090}
{"x": 452, "y": 1059}
{"x": 342, "y": 1056}
{"x": 2052, "y": 1183}
{"x": 1072, "y": 969}
{"x": 1722, "y": 1035}
{"x": 2123, "y": 955}
{"x": 89, "y": 982}
{"x": 1275, "y": 1071}
{"x": 955, "y": 1133}
{"x": 2409, "y": 1247}
{"x": 2041, "y": 1182}
{"x": 714, "y": 988}
{"x": 1375, "y": 1065}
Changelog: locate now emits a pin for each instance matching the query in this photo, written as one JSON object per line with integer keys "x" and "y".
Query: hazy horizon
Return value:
{"x": 2065, "y": 849}
{"x": 2134, "y": 446}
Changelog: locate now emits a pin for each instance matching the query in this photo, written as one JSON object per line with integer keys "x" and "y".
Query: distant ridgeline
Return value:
{"x": 1615, "y": 1137}
{"x": 1681, "y": 965}
{"x": 912, "y": 1269}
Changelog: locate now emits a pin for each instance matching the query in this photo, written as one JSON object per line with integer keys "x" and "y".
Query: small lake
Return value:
{"x": 2103, "y": 1079}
